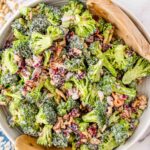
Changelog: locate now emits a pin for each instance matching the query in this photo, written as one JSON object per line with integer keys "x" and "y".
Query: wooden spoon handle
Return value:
{"x": 125, "y": 28}
{"x": 25, "y": 142}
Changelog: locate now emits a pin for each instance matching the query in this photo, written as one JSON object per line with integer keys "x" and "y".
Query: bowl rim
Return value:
{"x": 139, "y": 25}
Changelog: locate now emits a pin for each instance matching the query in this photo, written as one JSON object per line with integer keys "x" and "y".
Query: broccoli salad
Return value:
{"x": 69, "y": 81}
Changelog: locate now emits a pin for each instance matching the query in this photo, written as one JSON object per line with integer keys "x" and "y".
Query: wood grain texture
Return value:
{"x": 25, "y": 142}
{"x": 125, "y": 28}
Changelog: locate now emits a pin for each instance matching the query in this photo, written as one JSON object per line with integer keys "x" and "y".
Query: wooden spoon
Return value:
{"x": 125, "y": 28}
{"x": 25, "y": 142}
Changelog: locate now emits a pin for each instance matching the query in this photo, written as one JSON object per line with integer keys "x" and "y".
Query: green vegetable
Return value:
{"x": 53, "y": 14}
{"x": 40, "y": 42}
{"x": 75, "y": 64}
{"x": 97, "y": 115}
{"x": 101, "y": 24}
{"x": 141, "y": 69}
{"x": 94, "y": 71}
{"x": 46, "y": 114}
{"x": 108, "y": 141}
{"x": 120, "y": 58}
{"x": 45, "y": 138}
{"x": 74, "y": 7}
{"x": 108, "y": 31}
{"x": 121, "y": 131}
{"x": 20, "y": 25}
{"x": 35, "y": 94}
{"x": 23, "y": 115}
{"x": 9, "y": 79}
{"x": 8, "y": 61}
{"x": 39, "y": 24}
{"x": 47, "y": 55}
{"x": 60, "y": 140}
{"x": 22, "y": 48}
{"x": 109, "y": 84}
{"x": 85, "y": 25}
{"x": 95, "y": 49}
{"x": 84, "y": 147}
{"x": 65, "y": 107}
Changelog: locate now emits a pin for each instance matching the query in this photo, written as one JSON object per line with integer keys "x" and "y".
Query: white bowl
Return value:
{"x": 144, "y": 88}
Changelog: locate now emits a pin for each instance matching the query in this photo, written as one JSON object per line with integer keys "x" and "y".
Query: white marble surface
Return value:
{"x": 141, "y": 9}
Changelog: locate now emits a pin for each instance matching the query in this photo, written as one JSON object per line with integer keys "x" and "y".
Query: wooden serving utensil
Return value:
{"x": 125, "y": 28}
{"x": 25, "y": 142}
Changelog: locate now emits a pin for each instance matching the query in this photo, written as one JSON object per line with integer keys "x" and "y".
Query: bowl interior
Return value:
{"x": 143, "y": 88}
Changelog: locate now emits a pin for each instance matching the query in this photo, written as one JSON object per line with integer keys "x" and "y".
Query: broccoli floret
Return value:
{"x": 60, "y": 140}
{"x": 94, "y": 71}
{"x": 69, "y": 11}
{"x": 3, "y": 100}
{"x": 53, "y": 14}
{"x": 121, "y": 131}
{"x": 19, "y": 35}
{"x": 9, "y": 79}
{"x": 25, "y": 12}
{"x": 114, "y": 118}
{"x": 95, "y": 49}
{"x": 120, "y": 58}
{"x": 47, "y": 55}
{"x": 141, "y": 69}
{"x": 93, "y": 95}
{"x": 13, "y": 95}
{"x": 101, "y": 24}
{"x": 84, "y": 147}
{"x": 82, "y": 85}
{"x": 39, "y": 24}
{"x": 40, "y": 42}
{"x": 46, "y": 114}
{"x": 75, "y": 64}
{"x": 55, "y": 32}
{"x": 50, "y": 87}
{"x": 83, "y": 126}
{"x": 76, "y": 42}
{"x": 22, "y": 48}
{"x": 20, "y": 25}
{"x": 45, "y": 137}
{"x": 23, "y": 115}
{"x": 65, "y": 107}
{"x": 108, "y": 141}
{"x": 85, "y": 25}
{"x": 48, "y": 99}
{"x": 8, "y": 61}
{"x": 108, "y": 31}
{"x": 109, "y": 84}
{"x": 35, "y": 94}
{"x": 88, "y": 92}
{"x": 97, "y": 115}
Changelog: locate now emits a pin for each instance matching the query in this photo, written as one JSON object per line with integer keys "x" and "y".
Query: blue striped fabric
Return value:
{"x": 5, "y": 144}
